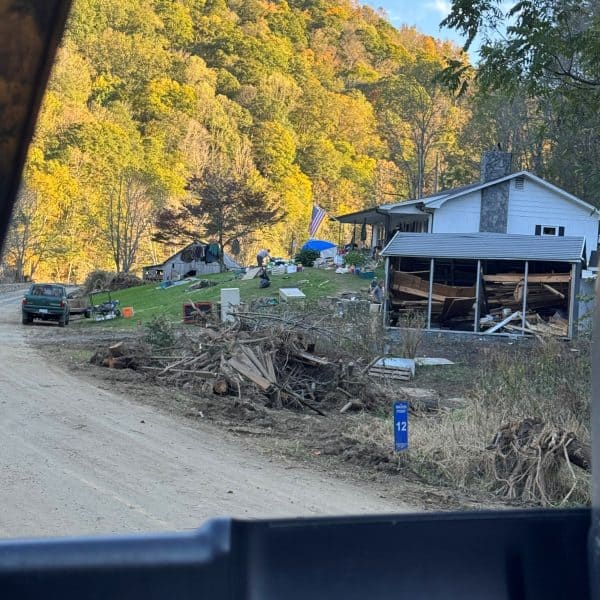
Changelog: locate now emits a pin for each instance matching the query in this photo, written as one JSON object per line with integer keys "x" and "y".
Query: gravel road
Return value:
{"x": 75, "y": 459}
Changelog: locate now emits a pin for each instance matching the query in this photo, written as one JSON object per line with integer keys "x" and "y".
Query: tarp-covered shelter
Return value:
{"x": 325, "y": 248}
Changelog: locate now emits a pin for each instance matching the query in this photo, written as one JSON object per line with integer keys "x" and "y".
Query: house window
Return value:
{"x": 553, "y": 230}
{"x": 519, "y": 183}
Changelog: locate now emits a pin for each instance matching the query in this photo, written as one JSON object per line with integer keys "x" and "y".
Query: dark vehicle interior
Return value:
{"x": 505, "y": 555}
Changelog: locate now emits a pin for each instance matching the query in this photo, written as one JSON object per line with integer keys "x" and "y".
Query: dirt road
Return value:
{"x": 77, "y": 459}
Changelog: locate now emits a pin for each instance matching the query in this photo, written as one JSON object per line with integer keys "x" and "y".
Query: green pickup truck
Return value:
{"x": 46, "y": 301}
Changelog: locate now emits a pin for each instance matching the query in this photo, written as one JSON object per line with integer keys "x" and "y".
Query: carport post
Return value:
{"x": 573, "y": 292}
{"x": 477, "y": 294}
{"x": 386, "y": 288}
{"x": 431, "y": 267}
{"x": 523, "y": 319}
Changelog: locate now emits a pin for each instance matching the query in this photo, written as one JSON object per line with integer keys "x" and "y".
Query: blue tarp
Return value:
{"x": 318, "y": 245}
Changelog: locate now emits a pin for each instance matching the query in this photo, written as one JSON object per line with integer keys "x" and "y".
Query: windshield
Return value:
{"x": 297, "y": 273}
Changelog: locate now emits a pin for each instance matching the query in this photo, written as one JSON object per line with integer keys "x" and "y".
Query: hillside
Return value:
{"x": 303, "y": 100}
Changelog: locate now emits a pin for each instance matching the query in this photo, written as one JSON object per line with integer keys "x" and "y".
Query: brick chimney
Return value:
{"x": 494, "y": 198}
{"x": 495, "y": 164}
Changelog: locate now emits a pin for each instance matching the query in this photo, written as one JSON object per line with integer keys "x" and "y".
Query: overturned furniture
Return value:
{"x": 484, "y": 282}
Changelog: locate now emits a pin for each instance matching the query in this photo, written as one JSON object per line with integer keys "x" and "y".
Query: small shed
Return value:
{"x": 195, "y": 259}
{"x": 484, "y": 283}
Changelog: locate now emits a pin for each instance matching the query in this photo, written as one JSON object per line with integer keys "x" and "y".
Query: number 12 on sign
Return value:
{"x": 401, "y": 425}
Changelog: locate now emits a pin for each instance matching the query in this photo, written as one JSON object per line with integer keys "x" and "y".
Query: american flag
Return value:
{"x": 318, "y": 214}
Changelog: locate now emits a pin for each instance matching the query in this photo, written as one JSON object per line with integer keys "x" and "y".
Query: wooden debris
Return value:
{"x": 311, "y": 358}
{"x": 251, "y": 273}
{"x": 247, "y": 371}
{"x": 268, "y": 359}
{"x": 220, "y": 387}
{"x": 352, "y": 405}
{"x": 117, "y": 349}
{"x": 504, "y": 322}
{"x": 390, "y": 373}
{"x": 528, "y": 455}
{"x": 533, "y": 278}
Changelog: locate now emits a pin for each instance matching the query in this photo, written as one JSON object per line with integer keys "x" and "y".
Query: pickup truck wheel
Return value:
{"x": 87, "y": 313}
{"x": 67, "y": 319}
{"x": 27, "y": 319}
{"x": 61, "y": 321}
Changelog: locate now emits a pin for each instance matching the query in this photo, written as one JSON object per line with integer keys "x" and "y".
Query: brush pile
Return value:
{"x": 529, "y": 456}
{"x": 279, "y": 363}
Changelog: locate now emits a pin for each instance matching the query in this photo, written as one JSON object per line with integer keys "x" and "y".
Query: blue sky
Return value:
{"x": 425, "y": 15}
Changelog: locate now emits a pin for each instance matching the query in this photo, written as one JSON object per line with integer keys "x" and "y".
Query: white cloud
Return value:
{"x": 442, "y": 7}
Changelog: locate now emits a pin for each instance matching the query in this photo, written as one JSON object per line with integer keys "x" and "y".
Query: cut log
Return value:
{"x": 580, "y": 454}
{"x": 116, "y": 349}
{"x": 119, "y": 362}
{"x": 220, "y": 387}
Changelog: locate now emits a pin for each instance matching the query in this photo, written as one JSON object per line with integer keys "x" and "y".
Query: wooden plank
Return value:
{"x": 270, "y": 368}
{"x": 508, "y": 319}
{"x": 410, "y": 284}
{"x": 553, "y": 290}
{"x": 251, "y": 273}
{"x": 247, "y": 372}
{"x": 533, "y": 278}
{"x": 255, "y": 361}
{"x": 417, "y": 292}
{"x": 311, "y": 358}
{"x": 397, "y": 376}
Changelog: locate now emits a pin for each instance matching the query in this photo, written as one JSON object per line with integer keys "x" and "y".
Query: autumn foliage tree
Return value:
{"x": 304, "y": 101}
{"x": 222, "y": 208}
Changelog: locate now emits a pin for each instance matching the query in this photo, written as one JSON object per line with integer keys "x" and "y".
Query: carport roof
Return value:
{"x": 486, "y": 246}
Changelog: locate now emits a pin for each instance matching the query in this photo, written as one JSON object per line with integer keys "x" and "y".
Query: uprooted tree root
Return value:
{"x": 534, "y": 462}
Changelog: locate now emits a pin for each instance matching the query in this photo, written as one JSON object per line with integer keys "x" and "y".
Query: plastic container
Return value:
{"x": 366, "y": 274}
{"x": 127, "y": 312}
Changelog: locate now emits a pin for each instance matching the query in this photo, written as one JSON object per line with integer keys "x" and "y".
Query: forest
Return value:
{"x": 157, "y": 109}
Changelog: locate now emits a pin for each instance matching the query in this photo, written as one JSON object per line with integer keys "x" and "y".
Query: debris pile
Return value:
{"x": 528, "y": 457}
{"x": 275, "y": 363}
{"x": 501, "y": 298}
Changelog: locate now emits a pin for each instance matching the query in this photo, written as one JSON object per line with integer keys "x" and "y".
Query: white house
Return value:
{"x": 502, "y": 202}
{"x": 510, "y": 243}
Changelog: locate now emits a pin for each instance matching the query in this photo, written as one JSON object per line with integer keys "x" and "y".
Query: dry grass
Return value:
{"x": 550, "y": 382}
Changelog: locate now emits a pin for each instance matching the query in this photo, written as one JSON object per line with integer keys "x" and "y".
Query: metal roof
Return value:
{"x": 491, "y": 246}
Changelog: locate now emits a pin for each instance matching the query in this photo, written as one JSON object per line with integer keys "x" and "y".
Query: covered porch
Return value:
{"x": 378, "y": 225}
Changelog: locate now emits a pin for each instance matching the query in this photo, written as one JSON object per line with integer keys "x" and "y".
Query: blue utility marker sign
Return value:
{"x": 401, "y": 425}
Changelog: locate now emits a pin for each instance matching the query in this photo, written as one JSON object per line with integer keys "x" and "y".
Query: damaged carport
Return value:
{"x": 484, "y": 282}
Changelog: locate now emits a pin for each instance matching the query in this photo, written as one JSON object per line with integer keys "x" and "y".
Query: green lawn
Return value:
{"x": 148, "y": 301}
